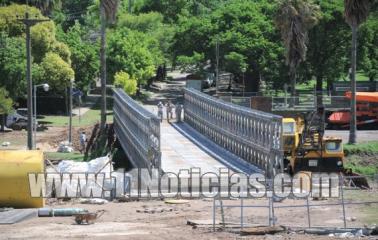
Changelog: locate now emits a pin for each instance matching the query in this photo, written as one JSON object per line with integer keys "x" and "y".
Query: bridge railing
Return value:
{"x": 254, "y": 136}
{"x": 138, "y": 131}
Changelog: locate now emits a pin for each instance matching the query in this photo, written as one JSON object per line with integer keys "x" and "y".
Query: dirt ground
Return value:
{"x": 157, "y": 220}
{"x": 47, "y": 140}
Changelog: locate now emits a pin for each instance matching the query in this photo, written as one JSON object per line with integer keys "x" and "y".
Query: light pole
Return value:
{"x": 244, "y": 70}
{"x": 46, "y": 88}
{"x": 70, "y": 123}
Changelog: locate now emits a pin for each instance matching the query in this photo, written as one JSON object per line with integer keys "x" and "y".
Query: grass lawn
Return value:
{"x": 362, "y": 158}
{"x": 75, "y": 156}
{"x": 369, "y": 148}
{"x": 310, "y": 85}
{"x": 89, "y": 118}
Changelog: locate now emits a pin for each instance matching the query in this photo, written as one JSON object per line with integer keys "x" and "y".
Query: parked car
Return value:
{"x": 18, "y": 119}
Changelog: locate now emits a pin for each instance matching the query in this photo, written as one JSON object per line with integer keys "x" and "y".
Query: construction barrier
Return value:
{"x": 14, "y": 181}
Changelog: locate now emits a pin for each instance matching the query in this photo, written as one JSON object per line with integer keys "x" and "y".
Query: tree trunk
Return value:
{"x": 252, "y": 81}
{"x": 353, "y": 119}
{"x": 3, "y": 122}
{"x": 293, "y": 80}
{"x": 103, "y": 68}
{"x": 319, "y": 91}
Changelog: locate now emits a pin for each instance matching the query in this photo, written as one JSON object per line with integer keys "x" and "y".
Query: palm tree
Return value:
{"x": 46, "y": 6}
{"x": 356, "y": 12}
{"x": 108, "y": 9}
{"x": 294, "y": 19}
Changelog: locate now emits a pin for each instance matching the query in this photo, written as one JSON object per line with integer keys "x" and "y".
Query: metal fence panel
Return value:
{"x": 309, "y": 103}
{"x": 138, "y": 131}
{"x": 254, "y": 136}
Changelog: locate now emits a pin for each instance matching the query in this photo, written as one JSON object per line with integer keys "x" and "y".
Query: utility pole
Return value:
{"x": 70, "y": 122}
{"x": 29, "y": 23}
{"x": 217, "y": 62}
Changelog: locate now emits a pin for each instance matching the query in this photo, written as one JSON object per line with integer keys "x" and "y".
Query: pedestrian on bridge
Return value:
{"x": 160, "y": 111}
{"x": 169, "y": 108}
{"x": 178, "y": 109}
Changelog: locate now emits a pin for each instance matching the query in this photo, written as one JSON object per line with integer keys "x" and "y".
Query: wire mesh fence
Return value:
{"x": 305, "y": 212}
{"x": 309, "y": 103}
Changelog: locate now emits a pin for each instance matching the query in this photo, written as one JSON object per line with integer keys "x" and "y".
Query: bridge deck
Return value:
{"x": 182, "y": 147}
{"x": 178, "y": 152}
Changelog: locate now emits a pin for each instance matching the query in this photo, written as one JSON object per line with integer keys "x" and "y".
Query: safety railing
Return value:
{"x": 138, "y": 131}
{"x": 254, "y": 136}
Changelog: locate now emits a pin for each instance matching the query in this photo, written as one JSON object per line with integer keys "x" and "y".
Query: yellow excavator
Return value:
{"x": 306, "y": 149}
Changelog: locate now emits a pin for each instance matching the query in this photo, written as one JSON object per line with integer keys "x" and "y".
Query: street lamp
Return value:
{"x": 244, "y": 70}
{"x": 46, "y": 88}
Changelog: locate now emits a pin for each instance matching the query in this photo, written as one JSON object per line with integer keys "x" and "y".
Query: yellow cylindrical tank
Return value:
{"x": 14, "y": 181}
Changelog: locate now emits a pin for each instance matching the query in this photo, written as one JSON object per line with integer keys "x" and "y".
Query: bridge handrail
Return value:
{"x": 138, "y": 131}
{"x": 254, "y": 136}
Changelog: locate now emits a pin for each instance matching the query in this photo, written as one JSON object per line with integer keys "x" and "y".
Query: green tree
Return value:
{"x": 240, "y": 27}
{"x": 171, "y": 9}
{"x": 13, "y": 65}
{"x": 192, "y": 64}
{"x": 368, "y": 51}
{"x": 158, "y": 34}
{"x": 6, "y": 103}
{"x": 128, "y": 84}
{"x": 47, "y": 6}
{"x": 9, "y": 22}
{"x": 129, "y": 52}
{"x": 13, "y": 56}
{"x": 327, "y": 56}
{"x": 84, "y": 55}
{"x": 294, "y": 19}
{"x": 356, "y": 12}
{"x": 235, "y": 63}
{"x": 56, "y": 72}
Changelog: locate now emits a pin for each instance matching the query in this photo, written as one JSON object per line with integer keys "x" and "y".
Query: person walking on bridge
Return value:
{"x": 178, "y": 109}
{"x": 169, "y": 108}
{"x": 160, "y": 111}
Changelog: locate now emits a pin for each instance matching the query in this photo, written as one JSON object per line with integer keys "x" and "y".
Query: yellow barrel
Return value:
{"x": 14, "y": 181}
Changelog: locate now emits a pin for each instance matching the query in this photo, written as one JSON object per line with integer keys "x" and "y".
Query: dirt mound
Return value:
{"x": 55, "y": 135}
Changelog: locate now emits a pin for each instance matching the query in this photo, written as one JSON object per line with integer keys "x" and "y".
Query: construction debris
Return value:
{"x": 342, "y": 233}
{"x": 176, "y": 201}
{"x": 101, "y": 166}
{"x": 263, "y": 230}
{"x": 155, "y": 210}
{"x": 65, "y": 147}
{"x": 96, "y": 201}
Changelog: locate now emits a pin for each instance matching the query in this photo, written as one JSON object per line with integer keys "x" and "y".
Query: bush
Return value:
{"x": 128, "y": 84}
